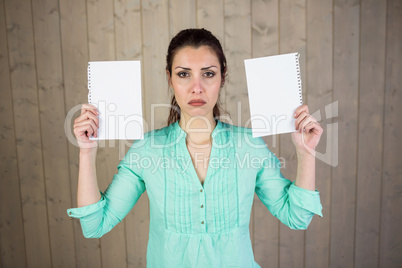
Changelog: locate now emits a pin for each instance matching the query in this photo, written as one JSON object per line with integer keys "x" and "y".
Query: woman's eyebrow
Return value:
{"x": 188, "y": 69}
{"x": 205, "y": 68}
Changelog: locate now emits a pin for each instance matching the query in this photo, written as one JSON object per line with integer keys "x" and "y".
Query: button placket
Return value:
{"x": 202, "y": 212}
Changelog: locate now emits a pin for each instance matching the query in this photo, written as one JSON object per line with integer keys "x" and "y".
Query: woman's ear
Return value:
{"x": 223, "y": 78}
{"x": 169, "y": 78}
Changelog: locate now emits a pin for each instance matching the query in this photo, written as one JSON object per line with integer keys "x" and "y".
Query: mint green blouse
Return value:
{"x": 195, "y": 225}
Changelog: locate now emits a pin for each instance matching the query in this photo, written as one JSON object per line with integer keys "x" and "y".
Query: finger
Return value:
{"x": 87, "y": 122}
{"x": 89, "y": 107}
{"x": 90, "y": 116}
{"x": 93, "y": 131}
{"x": 84, "y": 130}
{"x": 302, "y": 116}
{"x": 314, "y": 127}
{"x": 308, "y": 120}
{"x": 87, "y": 115}
{"x": 300, "y": 109}
{"x": 308, "y": 126}
{"x": 317, "y": 129}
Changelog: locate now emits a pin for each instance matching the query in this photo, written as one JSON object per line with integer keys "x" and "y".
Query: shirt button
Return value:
{"x": 70, "y": 213}
{"x": 201, "y": 190}
{"x": 202, "y": 206}
{"x": 202, "y": 222}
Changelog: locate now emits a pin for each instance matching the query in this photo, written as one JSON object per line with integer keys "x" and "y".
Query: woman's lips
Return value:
{"x": 197, "y": 102}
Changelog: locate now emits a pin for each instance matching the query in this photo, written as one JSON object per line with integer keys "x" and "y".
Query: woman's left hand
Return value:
{"x": 308, "y": 131}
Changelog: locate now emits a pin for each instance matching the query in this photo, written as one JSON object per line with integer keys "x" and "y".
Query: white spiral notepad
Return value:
{"x": 115, "y": 89}
{"x": 275, "y": 91}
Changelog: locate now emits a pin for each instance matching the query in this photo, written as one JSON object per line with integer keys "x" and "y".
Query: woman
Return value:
{"x": 200, "y": 173}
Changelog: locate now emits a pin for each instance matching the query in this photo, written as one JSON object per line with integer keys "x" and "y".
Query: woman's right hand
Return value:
{"x": 85, "y": 125}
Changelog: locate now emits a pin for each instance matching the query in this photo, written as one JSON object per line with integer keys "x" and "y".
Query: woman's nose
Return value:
{"x": 197, "y": 85}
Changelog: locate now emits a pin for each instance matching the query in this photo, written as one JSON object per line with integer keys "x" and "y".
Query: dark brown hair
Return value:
{"x": 194, "y": 38}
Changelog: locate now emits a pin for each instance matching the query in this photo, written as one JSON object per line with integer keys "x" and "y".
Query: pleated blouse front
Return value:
{"x": 195, "y": 225}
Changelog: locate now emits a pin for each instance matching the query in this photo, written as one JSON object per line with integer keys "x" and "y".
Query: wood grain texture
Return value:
{"x": 292, "y": 21}
{"x": 182, "y": 15}
{"x": 51, "y": 109}
{"x": 73, "y": 27}
{"x": 265, "y": 42}
{"x": 237, "y": 49}
{"x": 12, "y": 244}
{"x": 128, "y": 29}
{"x": 371, "y": 110}
{"x": 318, "y": 83}
{"x": 28, "y": 131}
{"x": 346, "y": 85}
{"x": 391, "y": 212}
{"x": 100, "y": 17}
{"x": 210, "y": 16}
{"x": 155, "y": 15}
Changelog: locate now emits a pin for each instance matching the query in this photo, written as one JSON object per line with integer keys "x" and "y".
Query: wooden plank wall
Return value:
{"x": 351, "y": 60}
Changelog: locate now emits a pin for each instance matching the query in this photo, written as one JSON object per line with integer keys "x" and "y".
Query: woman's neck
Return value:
{"x": 198, "y": 129}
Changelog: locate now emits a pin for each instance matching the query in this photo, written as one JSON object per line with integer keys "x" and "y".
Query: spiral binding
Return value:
{"x": 299, "y": 81}
{"x": 89, "y": 84}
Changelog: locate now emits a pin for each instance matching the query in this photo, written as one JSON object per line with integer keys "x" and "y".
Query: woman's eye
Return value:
{"x": 182, "y": 74}
{"x": 209, "y": 74}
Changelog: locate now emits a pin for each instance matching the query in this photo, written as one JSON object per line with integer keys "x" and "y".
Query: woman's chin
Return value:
{"x": 198, "y": 113}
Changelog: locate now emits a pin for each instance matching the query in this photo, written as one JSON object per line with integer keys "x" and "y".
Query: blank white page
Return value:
{"x": 274, "y": 90}
{"x": 115, "y": 89}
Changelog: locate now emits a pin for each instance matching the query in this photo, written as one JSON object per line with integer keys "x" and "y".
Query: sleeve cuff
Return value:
{"x": 306, "y": 199}
{"x": 87, "y": 210}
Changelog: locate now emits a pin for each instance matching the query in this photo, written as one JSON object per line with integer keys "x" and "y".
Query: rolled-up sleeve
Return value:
{"x": 116, "y": 202}
{"x": 292, "y": 205}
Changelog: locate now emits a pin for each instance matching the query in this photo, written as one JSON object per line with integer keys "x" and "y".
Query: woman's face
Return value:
{"x": 196, "y": 80}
